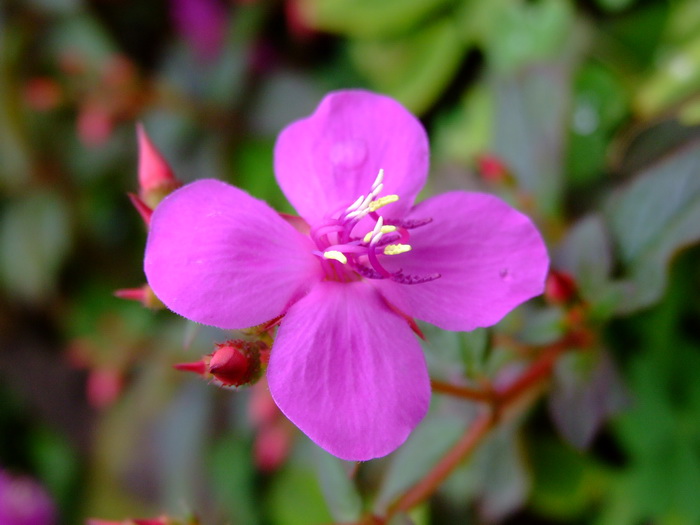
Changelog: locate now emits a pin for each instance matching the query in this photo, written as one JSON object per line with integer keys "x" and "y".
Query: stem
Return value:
{"x": 461, "y": 450}
{"x": 465, "y": 392}
{"x": 500, "y": 401}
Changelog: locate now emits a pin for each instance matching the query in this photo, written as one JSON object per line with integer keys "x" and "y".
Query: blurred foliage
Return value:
{"x": 590, "y": 107}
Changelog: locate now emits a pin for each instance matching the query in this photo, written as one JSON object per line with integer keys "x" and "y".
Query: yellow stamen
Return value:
{"x": 382, "y": 201}
{"x": 384, "y": 229}
{"x": 336, "y": 256}
{"x": 395, "y": 249}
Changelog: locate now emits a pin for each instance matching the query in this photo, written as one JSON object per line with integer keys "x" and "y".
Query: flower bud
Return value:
{"x": 493, "y": 169}
{"x": 233, "y": 363}
{"x": 236, "y": 362}
{"x": 104, "y": 386}
{"x": 560, "y": 288}
{"x": 156, "y": 179}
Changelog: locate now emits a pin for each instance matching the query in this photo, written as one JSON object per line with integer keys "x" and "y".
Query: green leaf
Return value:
{"x": 677, "y": 77}
{"x": 424, "y": 448}
{"x": 527, "y": 32}
{"x": 35, "y": 236}
{"x": 414, "y": 68}
{"x": 295, "y": 498}
{"x": 587, "y": 390}
{"x": 16, "y": 166}
{"x": 465, "y": 130}
{"x": 233, "y": 475}
{"x": 530, "y": 129}
{"x": 369, "y": 18}
{"x": 615, "y": 5}
{"x": 340, "y": 492}
{"x": 586, "y": 254}
{"x": 599, "y": 105}
{"x": 505, "y": 479}
{"x": 496, "y": 476}
{"x": 653, "y": 218}
{"x": 565, "y": 481}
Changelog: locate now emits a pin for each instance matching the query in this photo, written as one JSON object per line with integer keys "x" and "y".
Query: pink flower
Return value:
{"x": 346, "y": 367}
{"x": 24, "y": 502}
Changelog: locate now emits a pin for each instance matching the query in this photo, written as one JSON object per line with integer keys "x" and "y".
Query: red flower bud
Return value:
{"x": 233, "y": 363}
{"x": 560, "y": 288}
{"x": 492, "y": 168}
{"x": 156, "y": 179}
{"x": 236, "y": 362}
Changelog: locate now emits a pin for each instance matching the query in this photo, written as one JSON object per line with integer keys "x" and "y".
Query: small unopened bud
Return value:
{"x": 42, "y": 93}
{"x": 560, "y": 288}
{"x": 144, "y": 295}
{"x": 104, "y": 386}
{"x": 156, "y": 179}
{"x": 233, "y": 363}
{"x": 272, "y": 446}
{"x": 236, "y": 362}
{"x": 492, "y": 169}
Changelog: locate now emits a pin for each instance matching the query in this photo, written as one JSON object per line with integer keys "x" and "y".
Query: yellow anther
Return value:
{"x": 382, "y": 201}
{"x": 384, "y": 229}
{"x": 336, "y": 256}
{"x": 395, "y": 249}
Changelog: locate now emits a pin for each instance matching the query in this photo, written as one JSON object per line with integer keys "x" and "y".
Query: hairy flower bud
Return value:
{"x": 233, "y": 363}
{"x": 236, "y": 362}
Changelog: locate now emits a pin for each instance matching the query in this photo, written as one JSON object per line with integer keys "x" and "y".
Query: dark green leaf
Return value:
{"x": 653, "y": 218}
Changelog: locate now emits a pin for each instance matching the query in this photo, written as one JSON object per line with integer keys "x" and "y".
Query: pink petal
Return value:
{"x": 491, "y": 258}
{"x": 349, "y": 372}
{"x": 218, "y": 256}
{"x": 326, "y": 161}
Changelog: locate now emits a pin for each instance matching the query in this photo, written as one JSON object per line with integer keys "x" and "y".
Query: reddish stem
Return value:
{"x": 465, "y": 392}
{"x": 500, "y": 401}
{"x": 461, "y": 450}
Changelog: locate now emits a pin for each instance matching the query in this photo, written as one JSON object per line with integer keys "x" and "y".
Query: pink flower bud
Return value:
{"x": 104, "y": 386}
{"x": 95, "y": 124}
{"x": 156, "y": 179}
{"x": 272, "y": 445}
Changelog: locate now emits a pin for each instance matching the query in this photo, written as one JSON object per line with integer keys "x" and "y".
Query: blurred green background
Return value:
{"x": 584, "y": 114}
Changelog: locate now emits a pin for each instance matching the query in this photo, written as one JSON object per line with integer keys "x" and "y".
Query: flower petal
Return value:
{"x": 349, "y": 372}
{"x": 220, "y": 257}
{"x": 490, "y": 257}
{"x": 323, "y": 163}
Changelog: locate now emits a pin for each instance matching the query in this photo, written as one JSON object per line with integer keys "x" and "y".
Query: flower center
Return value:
{"x": 346, "y": 255}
